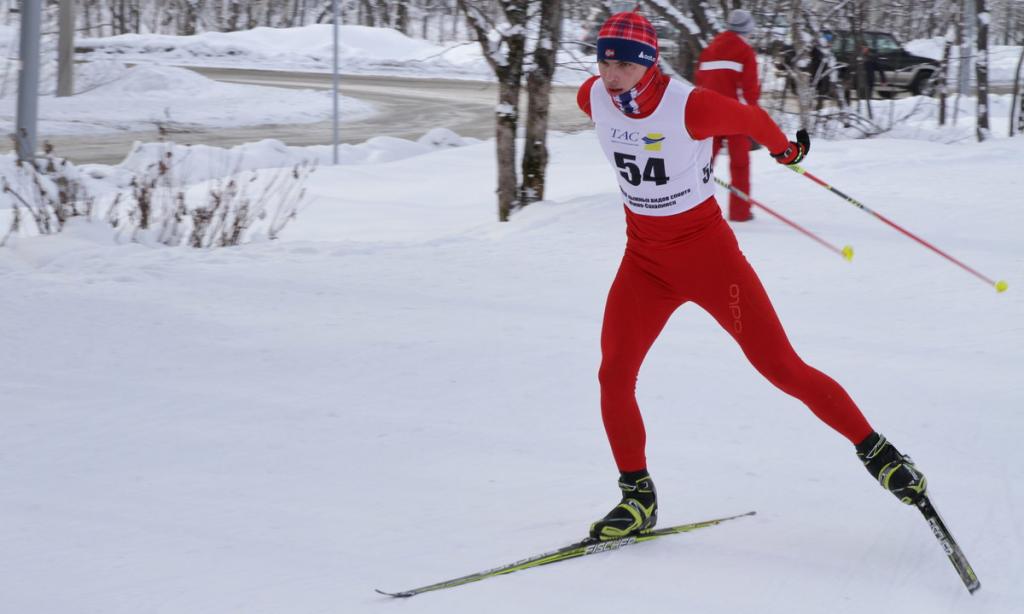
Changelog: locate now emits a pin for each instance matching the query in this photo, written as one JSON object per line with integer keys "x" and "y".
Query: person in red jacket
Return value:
{"x": 657, "y": 135}
{"x": 729, "y": 66}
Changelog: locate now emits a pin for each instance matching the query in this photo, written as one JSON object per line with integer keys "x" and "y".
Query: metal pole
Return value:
{"x": 334, "y": 10}
{"x": 1017, "y": 112}
{"x": 66, "y": 50}
{"x": 28, "y": 79}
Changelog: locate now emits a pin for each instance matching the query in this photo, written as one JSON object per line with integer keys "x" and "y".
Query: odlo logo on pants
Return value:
{"x": 734, "y": 308}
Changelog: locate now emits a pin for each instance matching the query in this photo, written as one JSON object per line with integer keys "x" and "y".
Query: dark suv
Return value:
{"x": 900, "y": 69}
{"x": 894, "y": 68}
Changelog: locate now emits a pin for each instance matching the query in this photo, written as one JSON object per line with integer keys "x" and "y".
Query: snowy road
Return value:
{"x": 408, "y": 108}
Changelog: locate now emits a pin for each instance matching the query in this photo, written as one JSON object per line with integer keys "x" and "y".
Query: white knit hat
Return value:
{"x": 741, "y": 22}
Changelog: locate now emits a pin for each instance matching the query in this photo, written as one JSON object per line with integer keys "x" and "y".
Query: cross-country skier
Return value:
{"x": 657, "y": 134}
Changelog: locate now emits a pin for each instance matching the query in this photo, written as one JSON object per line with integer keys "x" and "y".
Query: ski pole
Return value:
{"x": 1000, "y": 285}
{"x": 846, "y": 252}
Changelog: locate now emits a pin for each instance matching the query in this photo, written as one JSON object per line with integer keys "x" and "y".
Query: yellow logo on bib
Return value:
{"x": 652, "y": 142}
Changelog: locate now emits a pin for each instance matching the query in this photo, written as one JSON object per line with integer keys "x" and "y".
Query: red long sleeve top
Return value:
{"x": 729, "y": 66}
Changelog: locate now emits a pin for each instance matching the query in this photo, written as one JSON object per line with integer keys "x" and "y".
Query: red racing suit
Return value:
{"x": 693, "y": 256}
{"x": 729, "y": 66}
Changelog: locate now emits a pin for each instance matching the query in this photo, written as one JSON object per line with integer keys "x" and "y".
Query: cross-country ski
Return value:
{"x": 584, "y": 547}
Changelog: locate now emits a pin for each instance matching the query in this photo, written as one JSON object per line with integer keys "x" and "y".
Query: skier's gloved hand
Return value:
{"x": 796, "y": 151}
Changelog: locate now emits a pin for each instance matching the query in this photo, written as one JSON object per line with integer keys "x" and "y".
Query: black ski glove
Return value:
{"x": 796, "y": 151}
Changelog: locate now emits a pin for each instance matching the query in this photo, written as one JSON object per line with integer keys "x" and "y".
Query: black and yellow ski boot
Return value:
{"x": 894, "y": 471}
{"x": 638, "y": 510}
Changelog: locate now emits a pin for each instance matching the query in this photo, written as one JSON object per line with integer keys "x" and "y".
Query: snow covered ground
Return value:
{"x": 402, "y": 390}
{"x": 112, "y": 97}
{"x": 142, "y": 97}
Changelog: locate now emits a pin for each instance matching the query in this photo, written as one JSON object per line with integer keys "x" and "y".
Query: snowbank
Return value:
{"x": 1002, "y": 60}
{"x": 362, "y": 50}
{"x": 916, "y": 118}
{"x": 178, "y": 98}
{"x": 193, "y": 170}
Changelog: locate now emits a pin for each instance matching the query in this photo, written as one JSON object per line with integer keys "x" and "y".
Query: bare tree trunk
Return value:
{"x": 122, "y": 17}
{"x": 1017, "y": 100}
{"x": 708, "y": 29}
{"x": 234, "y": 15}
{"x": 112, "y": 9}
{"x": 803, "y": 90}
{"x": 505, "y": 56}
{"x": 268, "y": 16}
{"x": 87, "y": 16}
{"x": 250, "y": 16}
{"x": 295, "y": 19}
{"x": 426, "y": 7}
{"x": 691, "y": 42}
{"x": 1008, "y": 20}
{"x": 538, "y": 84}
{"x": 368, "y": 16}
{"x": 860, "y": 45}
{"x": 981, "y": 71}
{"x": 507, "y": 118}
{"x": 402, "y": 17}
{"x": 952, "y": 17}
{"x": 190, "y": 17}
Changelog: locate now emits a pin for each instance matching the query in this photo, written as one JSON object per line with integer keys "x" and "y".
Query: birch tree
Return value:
{"x": 981, "y": 71}
{"x": 800, "y": 54}
{"x": 503, "y": 43}
{"x": 538, "y": 85}
{"x": 952, "y": 20}
{"x": 1017, "y": 100}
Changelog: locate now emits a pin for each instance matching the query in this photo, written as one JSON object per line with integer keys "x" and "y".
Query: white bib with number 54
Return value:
{"x": 661, "y": 169}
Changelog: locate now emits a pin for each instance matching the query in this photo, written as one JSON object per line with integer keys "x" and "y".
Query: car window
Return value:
{"x": 885, "y": 43}
{"x": 842, "y": 43}
{"x": 773, "y": 19}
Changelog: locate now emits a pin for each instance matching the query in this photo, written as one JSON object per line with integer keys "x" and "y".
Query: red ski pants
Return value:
{"x": 710, "y": 270}
{"x": 739, "y": 172}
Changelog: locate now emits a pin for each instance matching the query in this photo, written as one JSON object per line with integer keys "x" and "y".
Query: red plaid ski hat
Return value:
{"x": 628, "y": 37}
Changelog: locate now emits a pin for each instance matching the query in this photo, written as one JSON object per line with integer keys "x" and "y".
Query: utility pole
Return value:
{"x": 1017, "y": 101}
{"x": 66, "y": 50}
{"x": 334, "y": 124}
{"x": 28, "y": 80}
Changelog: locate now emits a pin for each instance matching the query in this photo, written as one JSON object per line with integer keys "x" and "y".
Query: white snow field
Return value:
{"x": 145, "y": 96}
{"x": 402, "y": 390}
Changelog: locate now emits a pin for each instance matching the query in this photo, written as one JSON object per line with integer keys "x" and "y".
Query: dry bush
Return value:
{"x": 48, "y": 192}
{"x": 159, "y": 206}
